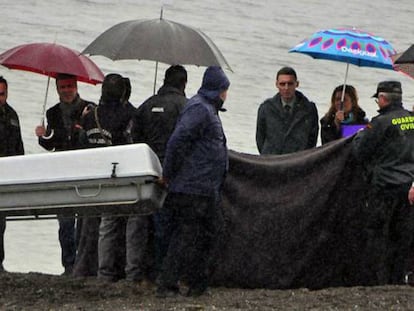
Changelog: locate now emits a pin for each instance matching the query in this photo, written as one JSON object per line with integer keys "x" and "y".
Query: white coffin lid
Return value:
{"x": 95, "y": 163}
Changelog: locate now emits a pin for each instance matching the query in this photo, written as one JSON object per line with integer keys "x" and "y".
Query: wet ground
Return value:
{"x": 34, "y": 291}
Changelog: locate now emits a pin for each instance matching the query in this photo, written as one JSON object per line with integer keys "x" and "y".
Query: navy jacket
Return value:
{"x": 196, "y": 159}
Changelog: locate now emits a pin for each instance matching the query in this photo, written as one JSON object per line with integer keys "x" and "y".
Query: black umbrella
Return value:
{"x": 159, "y": 40}
{"x": 404, "y": 62}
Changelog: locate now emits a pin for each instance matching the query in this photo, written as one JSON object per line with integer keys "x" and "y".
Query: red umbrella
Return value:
{"x": 50, "y": 59}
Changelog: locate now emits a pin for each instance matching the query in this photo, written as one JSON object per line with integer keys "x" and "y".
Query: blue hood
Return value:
{"x": 214, "y": 82}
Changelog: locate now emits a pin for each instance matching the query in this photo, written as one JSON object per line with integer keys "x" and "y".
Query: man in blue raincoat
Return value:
{"x": 194, "y": 169}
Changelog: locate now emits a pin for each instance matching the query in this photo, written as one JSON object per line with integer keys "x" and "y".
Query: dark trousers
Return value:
{"x": 67, "y": 240}
{"x": 193, "y": 231}
{"x": 389, "y": 232}
{"x": 2, "y": 230}
{"x": 86, "y": 263}
{"x": 162, "y": 221}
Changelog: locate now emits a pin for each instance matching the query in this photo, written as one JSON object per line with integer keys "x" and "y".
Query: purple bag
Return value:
{"x": 350, "y": 129}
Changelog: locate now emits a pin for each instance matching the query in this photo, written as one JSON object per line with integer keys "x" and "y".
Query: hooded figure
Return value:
{"x": 114, "y": 88}
{"x": 214, "y": 83}
{"x": 109, "y": 123}
{"x": 196, "y": 156}
{"x": 194, "y": 169}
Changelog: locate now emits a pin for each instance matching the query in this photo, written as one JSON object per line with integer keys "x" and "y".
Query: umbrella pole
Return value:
{"x": 155, "y": 78}
{"x": 343, "y": 88}
{"x": 44, "y": 103}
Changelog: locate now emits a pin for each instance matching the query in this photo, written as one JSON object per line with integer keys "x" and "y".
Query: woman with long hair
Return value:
{"x": 340, "y": 114}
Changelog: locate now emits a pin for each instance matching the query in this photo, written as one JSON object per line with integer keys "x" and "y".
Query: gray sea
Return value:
{"x": 253, "y": 35}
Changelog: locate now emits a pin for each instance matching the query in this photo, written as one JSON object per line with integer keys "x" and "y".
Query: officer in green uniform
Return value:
{"x": 386, "y": 150}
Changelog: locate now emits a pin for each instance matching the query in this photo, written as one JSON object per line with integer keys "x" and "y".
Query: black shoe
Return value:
{"x": 68, "y": 271}
{"x": 166, "y": 292}
{"x": 2, "y": 270}
{"x": 197, "y": 291}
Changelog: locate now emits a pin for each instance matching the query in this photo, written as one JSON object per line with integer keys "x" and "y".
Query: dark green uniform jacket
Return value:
{"x": 386, "y": 147}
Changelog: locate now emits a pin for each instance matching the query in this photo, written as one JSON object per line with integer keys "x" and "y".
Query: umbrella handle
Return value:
{"x": 45, "y": 101}
{"x": 343, "y": 88}
{"x": 155, "y": 78}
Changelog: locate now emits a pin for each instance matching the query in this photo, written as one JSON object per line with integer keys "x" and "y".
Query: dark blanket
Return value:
{"x": 292, "y": 220}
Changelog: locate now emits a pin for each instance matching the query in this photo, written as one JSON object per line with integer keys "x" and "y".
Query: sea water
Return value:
{"x": 253, "y": 35}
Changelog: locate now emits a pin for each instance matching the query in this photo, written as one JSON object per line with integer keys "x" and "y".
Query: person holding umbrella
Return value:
{"x": 10, "y": 144}
{"x": 62, "y": 133}
{"x": 341, "y": 114}
{"x": 386, "y": 150}
{"x": 287, "y": 122}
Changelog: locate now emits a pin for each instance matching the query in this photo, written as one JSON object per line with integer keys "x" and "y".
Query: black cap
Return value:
{"x": 388, "y": 87}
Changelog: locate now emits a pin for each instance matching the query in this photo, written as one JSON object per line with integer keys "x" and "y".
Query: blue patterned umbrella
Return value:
{"x": 350, "y": 46}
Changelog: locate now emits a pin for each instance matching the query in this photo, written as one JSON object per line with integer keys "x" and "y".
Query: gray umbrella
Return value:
{"x": 404, "y": 62}
{"x": 159, "y": 40}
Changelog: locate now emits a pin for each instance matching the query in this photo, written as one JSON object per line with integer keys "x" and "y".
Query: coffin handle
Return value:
{"x": 89, "y": 195}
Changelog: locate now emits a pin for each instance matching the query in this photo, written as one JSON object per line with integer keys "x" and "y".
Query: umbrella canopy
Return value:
{"x": 50, "y": 59}
{"x": 351, "y": 46}
{"x": 159, "y": 40}
{"x": 404, "y": 62}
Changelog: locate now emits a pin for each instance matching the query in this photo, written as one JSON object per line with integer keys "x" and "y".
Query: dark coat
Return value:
{"x": 330, "y": 132}
{"x": 196, "y": 159}
{"x": 115, "y": 119}
{"x": 11, "y": 142}
{"x": 58, "y": 137}
{"x": 155, "y": 119}
{"x": 278, "y": 133}
{"x": 386, "y": 147}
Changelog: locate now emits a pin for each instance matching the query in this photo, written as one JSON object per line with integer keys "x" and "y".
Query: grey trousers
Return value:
{"x": 122, "y": 247}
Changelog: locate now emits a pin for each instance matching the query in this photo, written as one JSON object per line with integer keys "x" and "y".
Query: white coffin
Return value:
{"x": 116, "y": 180}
